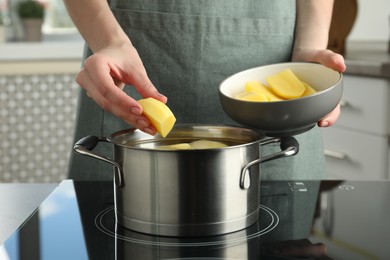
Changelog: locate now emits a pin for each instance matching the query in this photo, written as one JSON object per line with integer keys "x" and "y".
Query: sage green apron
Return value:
{"x": 188, "y": 47}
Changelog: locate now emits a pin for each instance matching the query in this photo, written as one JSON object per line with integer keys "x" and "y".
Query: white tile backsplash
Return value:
{"x": 36, "y": 126}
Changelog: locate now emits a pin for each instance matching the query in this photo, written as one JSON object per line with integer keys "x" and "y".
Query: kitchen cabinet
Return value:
{"x": 357, "y": 146}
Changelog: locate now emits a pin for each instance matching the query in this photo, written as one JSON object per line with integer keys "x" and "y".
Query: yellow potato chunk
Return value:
{"x": 256, "y": 86}
{"x": 179, "y": 146}
{"x": 308, "y": 90}
{"x": 199, "y": 144}
{"x": 206, "y": 144}
{"x": 252, "y": 96}
{"x": 159, "y": 114}
{"x": 286, "y": 84}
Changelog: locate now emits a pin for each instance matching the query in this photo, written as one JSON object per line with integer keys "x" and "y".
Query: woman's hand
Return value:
{"x": 329, "y": 59}
{"x": 115, "y": 62}
{"x": 104, "y": 75}
{"x": 311, "y": 38}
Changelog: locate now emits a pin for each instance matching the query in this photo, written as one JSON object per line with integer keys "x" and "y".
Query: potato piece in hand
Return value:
{"x": 286, "y": 84}
{"x": 159, "y": 114}
{"x": 258, "y": 87}
{"x": 252, "y": 96}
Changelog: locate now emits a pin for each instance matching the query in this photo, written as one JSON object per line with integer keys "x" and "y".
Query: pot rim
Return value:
{"x": 234, "y": 136}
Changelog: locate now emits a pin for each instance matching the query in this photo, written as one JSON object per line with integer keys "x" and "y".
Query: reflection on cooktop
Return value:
{"x": 348, "y": 219}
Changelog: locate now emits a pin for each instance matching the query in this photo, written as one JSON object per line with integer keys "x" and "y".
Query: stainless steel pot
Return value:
{"x": 187, "y": 192}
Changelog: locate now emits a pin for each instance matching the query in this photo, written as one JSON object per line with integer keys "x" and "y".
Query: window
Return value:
{"x": 57, "y": 19}
{"x": 57, "y": 22}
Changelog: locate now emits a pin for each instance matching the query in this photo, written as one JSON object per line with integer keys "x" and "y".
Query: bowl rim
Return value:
{"x": 340, "y": 78}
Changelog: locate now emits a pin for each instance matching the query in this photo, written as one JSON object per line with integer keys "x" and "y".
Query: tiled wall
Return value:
{"x": 36, "y": 126}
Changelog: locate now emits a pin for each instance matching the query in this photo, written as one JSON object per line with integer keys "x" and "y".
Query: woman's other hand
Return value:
{"x": 311, "y": 39}
{"x": 331, "y": 60}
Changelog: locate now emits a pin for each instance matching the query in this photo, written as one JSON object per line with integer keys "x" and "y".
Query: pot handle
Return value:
{"x": 85, "y": 146}
{"x": 289, "y": 146}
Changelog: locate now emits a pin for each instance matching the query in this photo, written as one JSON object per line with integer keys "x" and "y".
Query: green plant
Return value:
{"x": 1, "y": 18}
{"x": 30, "y": 9}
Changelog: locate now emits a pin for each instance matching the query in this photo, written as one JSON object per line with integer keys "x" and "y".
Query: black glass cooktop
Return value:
{"x": 298, "y": 220}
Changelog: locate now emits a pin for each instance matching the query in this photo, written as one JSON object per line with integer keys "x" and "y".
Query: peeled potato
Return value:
{"x": 206, "y": 144}
{"x": 159, "y": 114}
{"x": 199, "y": 144}
{"x": 308, "y": 90}
{"x": 179, "y": 146}
{"x": 256, "y": 86}
{"x": 286, "y": 84}
{"x": 253, "y": 96}
{"x": 283, "y": 86}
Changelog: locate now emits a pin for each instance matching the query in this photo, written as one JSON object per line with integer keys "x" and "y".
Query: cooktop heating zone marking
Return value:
{"x": 105, "y": 222}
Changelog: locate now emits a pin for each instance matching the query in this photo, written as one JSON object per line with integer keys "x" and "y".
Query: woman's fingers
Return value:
{"x": 327, "y": 58}
{"x": 104, "y": 76}
{"x": 330, "y": 59}
{"x": 146, "y": 88}
{"x": 334, "y": 61}
{"x": 103, "y": 90}
{"x": 331, "y": 118}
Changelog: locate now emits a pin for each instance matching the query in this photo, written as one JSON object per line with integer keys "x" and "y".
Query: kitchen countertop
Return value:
{"x": 18, "y": 58}
{"x": 368, "y": 59}
{"x": 41, "y": 51}
{"x": 362, "y": 58}
{"x": 17, "y": 202}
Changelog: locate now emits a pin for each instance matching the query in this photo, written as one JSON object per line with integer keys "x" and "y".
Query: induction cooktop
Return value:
{"x": 298, "y": 220}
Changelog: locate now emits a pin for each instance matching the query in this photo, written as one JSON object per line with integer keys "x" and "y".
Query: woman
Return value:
{"x": 184, "y": 49}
